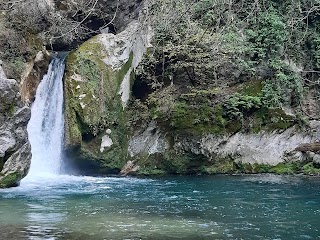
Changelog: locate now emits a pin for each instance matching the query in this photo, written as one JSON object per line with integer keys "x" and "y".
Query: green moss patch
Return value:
{"x": 172, "y": 162}
{"x": 220, "y": 167}
{"x": 252, "y": 88}
{"x": 11, "y": 180}
{"x": 205, "y": 111}
{"x": 272, "y": 119}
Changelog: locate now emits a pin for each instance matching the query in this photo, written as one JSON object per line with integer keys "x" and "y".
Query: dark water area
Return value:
{"x": 219, "y": 207}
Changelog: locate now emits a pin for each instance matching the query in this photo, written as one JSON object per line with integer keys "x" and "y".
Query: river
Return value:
{"x": 218, "y": 207}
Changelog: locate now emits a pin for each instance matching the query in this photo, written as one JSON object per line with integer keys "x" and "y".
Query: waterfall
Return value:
{"x": 46, "y": 126}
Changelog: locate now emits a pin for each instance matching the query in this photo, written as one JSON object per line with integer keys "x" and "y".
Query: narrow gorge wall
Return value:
{"x": 174, "y": 125}
{"x": 24, "y": 61}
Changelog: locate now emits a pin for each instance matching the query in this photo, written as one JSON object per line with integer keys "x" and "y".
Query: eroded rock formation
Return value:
{"x": 32, "y": 76}
{"x": 15, "y": 150}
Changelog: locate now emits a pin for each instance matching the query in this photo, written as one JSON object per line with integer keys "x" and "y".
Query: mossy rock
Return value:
{"x": 285, "y": 168}
{"x": 272, "y": 119}
{"x": 172, "y": 163}
{"x": 247, "y": 106}
{"x": 311, "y": 169}
{"x": 220, "y": 167}
{"x": 252, "y": 88}
{"x": 93, "y": 105}
{"x": 10, "y": 180}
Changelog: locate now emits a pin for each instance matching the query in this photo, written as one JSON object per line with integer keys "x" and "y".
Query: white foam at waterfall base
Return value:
{"x": 46, "y": 126}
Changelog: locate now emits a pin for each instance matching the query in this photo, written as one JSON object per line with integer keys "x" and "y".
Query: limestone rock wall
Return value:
{"x": 15, "y": 149}
{"x": 24, "y": 62}
{"x": 269, "y": 148}
{"x": 157, "y": 151}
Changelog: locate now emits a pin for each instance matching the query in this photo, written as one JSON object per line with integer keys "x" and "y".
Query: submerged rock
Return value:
{"x": 15, "y": 149}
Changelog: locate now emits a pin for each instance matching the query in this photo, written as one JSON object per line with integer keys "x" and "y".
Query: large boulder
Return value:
{"x": 98, "y": 82}
{"x": 15, "y": 149}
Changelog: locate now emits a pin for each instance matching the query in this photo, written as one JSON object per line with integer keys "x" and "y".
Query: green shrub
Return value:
{"x": 238, "y": 105}
{"x": 285, "y": 88}
{"x": 268, "y": 35}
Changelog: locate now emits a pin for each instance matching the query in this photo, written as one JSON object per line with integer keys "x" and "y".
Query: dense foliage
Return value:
{"x": 202, "y": 45}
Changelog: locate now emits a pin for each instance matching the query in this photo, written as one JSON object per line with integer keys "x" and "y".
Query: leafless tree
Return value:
{"x": 63, "y": 22}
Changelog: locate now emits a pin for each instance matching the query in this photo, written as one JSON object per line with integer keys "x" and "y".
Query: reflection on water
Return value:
{"x": 221, "y": 207}
{"x": 42, "y": 221}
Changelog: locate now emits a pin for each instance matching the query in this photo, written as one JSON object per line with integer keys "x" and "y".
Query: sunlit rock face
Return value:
{"x": 269, "y": 148}
{"x": 32, "y": 76}
{"x": 153, "y": 150}
{"x": 15, "y": 150}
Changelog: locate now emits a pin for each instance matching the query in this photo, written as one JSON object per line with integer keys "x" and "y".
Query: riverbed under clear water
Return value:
{"x": 219, "y": 207}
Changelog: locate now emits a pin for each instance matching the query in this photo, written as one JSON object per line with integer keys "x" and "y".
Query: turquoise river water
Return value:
{"x": 220, "y": 207}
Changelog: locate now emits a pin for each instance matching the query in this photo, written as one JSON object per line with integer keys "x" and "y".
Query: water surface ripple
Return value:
{"x": 220, "y": 207}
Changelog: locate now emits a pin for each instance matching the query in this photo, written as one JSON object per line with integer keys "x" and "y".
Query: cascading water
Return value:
{"x": 46, "y": 126}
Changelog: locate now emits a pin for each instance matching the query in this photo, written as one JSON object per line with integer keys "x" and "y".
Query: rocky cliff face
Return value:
{"x": 189, "y": 107}
{"x": 212, "y": 93}
{"x": 15, "y": 150}
{"x": 156, "y": 151}
{"x": 32, "y": 75}
{"x": 225, "y": 96}
{"x": 98, "y": 80}
{"x": 25, "y": 60}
